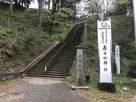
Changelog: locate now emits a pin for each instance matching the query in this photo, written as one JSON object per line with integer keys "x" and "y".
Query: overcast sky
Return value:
{"x": 80, "y": 7}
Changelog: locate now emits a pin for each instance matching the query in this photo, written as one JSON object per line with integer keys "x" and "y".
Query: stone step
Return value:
{"x": 61, "y": 65}
{"x": 59, "y": 68}
{"x": 57, "y": 71}
{"x": 57, "y": 75}
{"x": 41, "y": 72}
{"x": 37, "y": 68}
{"x": 35, "y": 75}
{"x": 51, "y": 76}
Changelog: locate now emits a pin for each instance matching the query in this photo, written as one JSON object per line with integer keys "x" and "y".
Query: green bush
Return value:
{"x": 132, "y": 70}
{"x": 123, "y": 35}
{"x": 91, "y": 46}
{"x": 6, "y": 43}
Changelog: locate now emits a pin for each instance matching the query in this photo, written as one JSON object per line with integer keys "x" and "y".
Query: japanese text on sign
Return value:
{"x": 104, "y": 46}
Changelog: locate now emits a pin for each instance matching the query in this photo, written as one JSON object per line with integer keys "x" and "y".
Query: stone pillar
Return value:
{"x": 79, "y": 65}
{"x": 117, "y": 58}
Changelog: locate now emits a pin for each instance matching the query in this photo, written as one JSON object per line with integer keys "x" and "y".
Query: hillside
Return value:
{"x": 125, "y": 84}
{"x": 23, "y": 42}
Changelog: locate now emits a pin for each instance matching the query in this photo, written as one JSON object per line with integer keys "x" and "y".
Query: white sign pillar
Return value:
{"x": 134, "y": 8}
{"x": 104, "y": 51}
{"x": 117, "y": 58}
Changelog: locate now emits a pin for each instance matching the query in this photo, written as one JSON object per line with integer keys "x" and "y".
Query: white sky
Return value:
{"x": 34, "y": 4}
{"x": 80, "y": 7}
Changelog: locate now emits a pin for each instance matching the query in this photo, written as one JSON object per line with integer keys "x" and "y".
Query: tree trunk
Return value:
{"x": 74, "y": 15}
{"x": 62, "y": 2}
{"x": 10, "y": 14}
{"x": 15, "y": 2}
{"x": 49, "y": 4}
{"x": 53, "y": 9}
{"x": 53, "y": 6}
{"x": 39, "y": 14}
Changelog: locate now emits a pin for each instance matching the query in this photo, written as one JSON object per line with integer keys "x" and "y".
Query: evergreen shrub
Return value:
{"x": 132, "y": 70}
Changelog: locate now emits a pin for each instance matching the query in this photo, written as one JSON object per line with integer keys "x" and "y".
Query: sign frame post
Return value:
{"x": 105, "y": 56}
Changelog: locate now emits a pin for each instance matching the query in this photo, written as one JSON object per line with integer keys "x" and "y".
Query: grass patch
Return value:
{"x": 95, "y": 95}
{"x": 4, "y": 86}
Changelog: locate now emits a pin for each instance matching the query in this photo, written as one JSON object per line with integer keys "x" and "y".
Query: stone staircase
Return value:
{"x": 62, "y": 65}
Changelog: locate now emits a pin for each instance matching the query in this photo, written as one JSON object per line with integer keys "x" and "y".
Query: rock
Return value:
{"x": 133, "y": 83}
{"x": 11, "y": 70}
{"x": 125, "y": 89}
{"x": 134, "y": 80}
{"x": 11, "y": 77}
{"x": 3, "y": 79}
{"x": 121, "y": 82}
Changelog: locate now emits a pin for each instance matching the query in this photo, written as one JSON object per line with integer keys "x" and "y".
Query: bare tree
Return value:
{"x": 106, "y": 6}
{"x": 99, "y": 6}
{"x": 49, "y": 1}
{"x": 92, "y": 6}
{"x": 10, "y": 13}
{"x": 39, "y": 14}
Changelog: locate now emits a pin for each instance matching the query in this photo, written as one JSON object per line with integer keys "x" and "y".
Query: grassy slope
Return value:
{"x": 23, "y": 40}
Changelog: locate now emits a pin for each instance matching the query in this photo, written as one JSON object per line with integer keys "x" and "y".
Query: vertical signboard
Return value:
{"x": 117, "y": 58}
{"x": 104, "y": 51}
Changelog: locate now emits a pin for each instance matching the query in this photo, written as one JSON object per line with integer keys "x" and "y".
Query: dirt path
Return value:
{"x": 40, "y": 90}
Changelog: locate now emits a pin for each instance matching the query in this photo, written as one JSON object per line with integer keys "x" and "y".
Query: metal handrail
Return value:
{"x": 59, "y": 52}
{"x": 75, "y": 33}
{"x": 53, "y": 59}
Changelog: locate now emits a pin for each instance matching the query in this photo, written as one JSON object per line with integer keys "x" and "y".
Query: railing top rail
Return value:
{"x": 30, "y": 65}
{"x": 65, "y": 42}
{"x": 56, "y": 53}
